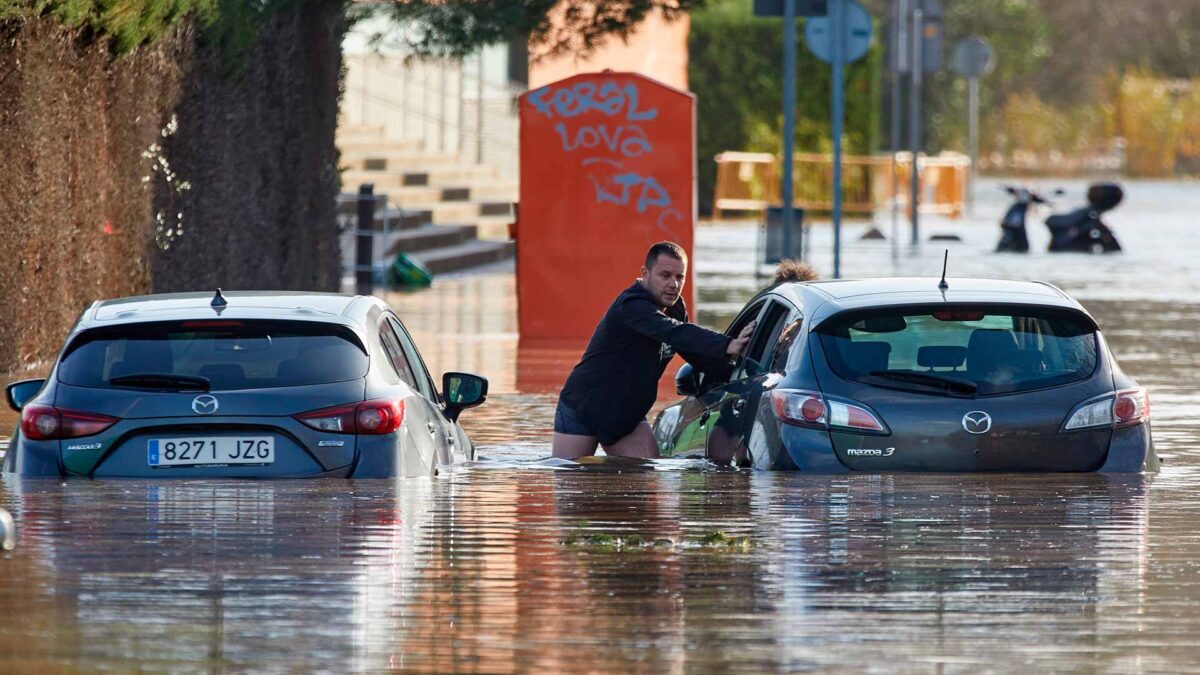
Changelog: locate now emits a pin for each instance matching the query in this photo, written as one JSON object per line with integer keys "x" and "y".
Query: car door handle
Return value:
{"x": 431, "y": 426}
{"x": 738, "y": 406}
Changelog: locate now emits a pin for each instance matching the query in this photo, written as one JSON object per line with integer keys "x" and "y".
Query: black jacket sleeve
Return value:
{"x": 643, "y": 317}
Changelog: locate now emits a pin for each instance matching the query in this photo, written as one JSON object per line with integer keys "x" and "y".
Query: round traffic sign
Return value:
{"x": 974, "y": 57}
{"x": 856, "y": 32}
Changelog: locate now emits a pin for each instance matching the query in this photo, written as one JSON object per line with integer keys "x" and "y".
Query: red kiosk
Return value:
{"x": 607, "y": 169}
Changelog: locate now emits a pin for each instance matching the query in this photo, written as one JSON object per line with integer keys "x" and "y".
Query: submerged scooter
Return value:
{"x": 1080, "y": 230}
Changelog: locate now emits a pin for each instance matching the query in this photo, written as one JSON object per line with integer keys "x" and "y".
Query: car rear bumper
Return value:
{"x": 1130, "y": 450}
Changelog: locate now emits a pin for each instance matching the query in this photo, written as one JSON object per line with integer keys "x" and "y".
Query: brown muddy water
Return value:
{"x": 514, "y": 563}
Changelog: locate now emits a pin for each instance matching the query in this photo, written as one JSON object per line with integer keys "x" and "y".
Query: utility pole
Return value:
{"x": 789, "y": 125}
{"x": 914, "y": 126}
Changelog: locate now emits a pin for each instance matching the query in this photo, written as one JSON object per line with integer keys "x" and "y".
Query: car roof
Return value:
{"x": 350, "y": 310}
{"x": 822, "y": 299}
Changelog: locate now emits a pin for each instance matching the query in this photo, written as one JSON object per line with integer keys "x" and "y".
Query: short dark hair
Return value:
{"x": 665, "y": 248}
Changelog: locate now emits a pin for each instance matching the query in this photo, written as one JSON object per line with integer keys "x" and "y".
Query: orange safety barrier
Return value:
{"x": 607, "y": 170}
{"x": 749, "y": 181}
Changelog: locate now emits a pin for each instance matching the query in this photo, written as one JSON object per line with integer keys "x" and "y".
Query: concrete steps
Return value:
{"x": 428, "y": 237}
{"x": 448, "y": 214}
{"x": 462, "y": 256}
{"x": 408, "y": 190}
{"x": 493, "y": 228}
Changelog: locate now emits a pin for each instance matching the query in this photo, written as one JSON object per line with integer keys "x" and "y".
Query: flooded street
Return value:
{"x": 514, "y": 564}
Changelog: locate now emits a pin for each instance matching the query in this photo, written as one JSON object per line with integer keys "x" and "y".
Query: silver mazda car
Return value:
{"x": 915, "y": 375}
{"x": 243, "y": 384}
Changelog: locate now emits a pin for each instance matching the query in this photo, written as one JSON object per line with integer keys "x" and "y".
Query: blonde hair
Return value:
{"x": 795, "y": 270}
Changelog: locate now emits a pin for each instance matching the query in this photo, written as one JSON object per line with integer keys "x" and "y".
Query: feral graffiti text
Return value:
{"x": 608, "y": 99}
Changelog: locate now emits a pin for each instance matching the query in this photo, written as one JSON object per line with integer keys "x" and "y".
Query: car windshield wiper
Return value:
{"x": 929, "y": 379}
{"x": 162, "y": 381}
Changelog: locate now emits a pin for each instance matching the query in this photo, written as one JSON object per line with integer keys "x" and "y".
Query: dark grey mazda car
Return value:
{"x": 244, "y": 384}
{"x": 899, "y": 374}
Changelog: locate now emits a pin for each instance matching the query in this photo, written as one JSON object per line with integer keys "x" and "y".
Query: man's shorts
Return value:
{"x": 567, "y": 421}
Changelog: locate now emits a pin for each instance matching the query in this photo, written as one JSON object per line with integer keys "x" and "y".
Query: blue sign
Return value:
{"x": 856, "y": 32}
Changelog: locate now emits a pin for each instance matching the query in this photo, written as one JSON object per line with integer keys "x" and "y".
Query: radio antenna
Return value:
{"x": 942, "y": 285}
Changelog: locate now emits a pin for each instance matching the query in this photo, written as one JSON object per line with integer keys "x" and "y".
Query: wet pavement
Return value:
{"x": 516, "y": 564}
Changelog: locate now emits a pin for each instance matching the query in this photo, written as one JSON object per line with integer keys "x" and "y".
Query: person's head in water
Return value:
{"x": 794, "y": 270}
{"x": 664, "y": 272}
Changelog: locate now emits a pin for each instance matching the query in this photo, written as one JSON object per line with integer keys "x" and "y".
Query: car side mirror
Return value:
{"x": 687, "y": 381}
{"x": 20, "y": 393}
{"x": 462, "y": 391}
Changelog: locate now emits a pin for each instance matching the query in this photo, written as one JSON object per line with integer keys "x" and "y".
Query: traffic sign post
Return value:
{"x": 789, "y": 10}
{"x": 841, "y": 37}
{"x": 973, "y": 58}
{"x": 898, "y": 64}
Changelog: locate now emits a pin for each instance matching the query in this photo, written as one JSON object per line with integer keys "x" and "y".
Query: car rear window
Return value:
{"x": 968, "y": 350}
{"x": 229, "y": 354}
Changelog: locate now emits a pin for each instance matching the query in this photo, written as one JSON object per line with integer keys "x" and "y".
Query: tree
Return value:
{"x": 455, "y": 28}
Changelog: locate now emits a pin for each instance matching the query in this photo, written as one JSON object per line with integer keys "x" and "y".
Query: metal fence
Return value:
{"x": 447, "y": 105}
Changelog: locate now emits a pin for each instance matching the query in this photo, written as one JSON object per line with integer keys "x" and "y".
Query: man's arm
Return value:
{"x": 721, "y": 368}
{"x": 643, "y": 317}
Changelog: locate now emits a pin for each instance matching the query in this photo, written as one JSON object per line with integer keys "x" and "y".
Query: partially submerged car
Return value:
{"x": 244, "y": 384}
{"x": 899, "y": 374}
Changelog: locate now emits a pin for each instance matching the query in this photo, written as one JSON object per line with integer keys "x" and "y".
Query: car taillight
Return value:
{"x": 1131, "y": 407}
{"x": 47, "y": 423}
{"x": 378, "y": 416}
{"x": 812, "y": 409}
{"x": 1125, "y": 408}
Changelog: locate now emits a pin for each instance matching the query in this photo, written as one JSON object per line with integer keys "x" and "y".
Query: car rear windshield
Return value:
{"x": 964, "y": 350}
{"x": 228, "y": 354}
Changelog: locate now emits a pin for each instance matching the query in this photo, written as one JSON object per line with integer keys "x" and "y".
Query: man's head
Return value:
{"x": 664, "y": 272}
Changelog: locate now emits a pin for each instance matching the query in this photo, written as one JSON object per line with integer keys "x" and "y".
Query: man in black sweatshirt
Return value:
{"x": 606, "y": 397}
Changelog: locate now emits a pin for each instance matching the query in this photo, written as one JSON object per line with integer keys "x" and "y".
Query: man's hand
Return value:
{"x": 737, "y": 344}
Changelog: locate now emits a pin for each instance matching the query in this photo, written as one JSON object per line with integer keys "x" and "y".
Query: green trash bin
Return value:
{"x": 406, "y": 272}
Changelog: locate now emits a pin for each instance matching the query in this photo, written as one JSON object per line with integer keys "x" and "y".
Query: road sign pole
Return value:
{"x": 899, "y": 62}
{"x": 837, "y": 15}
{"x": 972, "y": 139}
{"x": 914, "y": 125}
{"x": 973, "y": 58}
{"x": 789, "y": 124}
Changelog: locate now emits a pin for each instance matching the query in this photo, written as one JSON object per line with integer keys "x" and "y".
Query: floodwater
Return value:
{"x": 513, "y": 563}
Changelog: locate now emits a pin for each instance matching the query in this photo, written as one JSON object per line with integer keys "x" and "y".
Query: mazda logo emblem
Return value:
{"x": 205, "y": 405}
{"x": 977, "y": 422}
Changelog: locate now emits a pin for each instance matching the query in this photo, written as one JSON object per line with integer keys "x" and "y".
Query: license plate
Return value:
{"x": 203, "y": 450}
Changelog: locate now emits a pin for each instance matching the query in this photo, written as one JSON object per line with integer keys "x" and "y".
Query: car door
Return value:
{"x": 688, "y": 437}
{"x": 453, "y": 443}
{"x": 421, "y": 416}
{"x": 733, "y": 405}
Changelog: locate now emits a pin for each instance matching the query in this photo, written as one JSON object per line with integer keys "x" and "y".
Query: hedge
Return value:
{"x": 735, "y": 68}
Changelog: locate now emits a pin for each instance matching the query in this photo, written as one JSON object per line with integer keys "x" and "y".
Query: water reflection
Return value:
{"x": 482, "y": 571}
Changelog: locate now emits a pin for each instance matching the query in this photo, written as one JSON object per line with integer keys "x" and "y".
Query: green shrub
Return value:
{"x": 128, "y": 24}
{"x": 735, "y": 68}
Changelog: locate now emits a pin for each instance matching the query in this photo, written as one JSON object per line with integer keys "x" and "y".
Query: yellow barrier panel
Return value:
{"x": 749, "y": 181}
